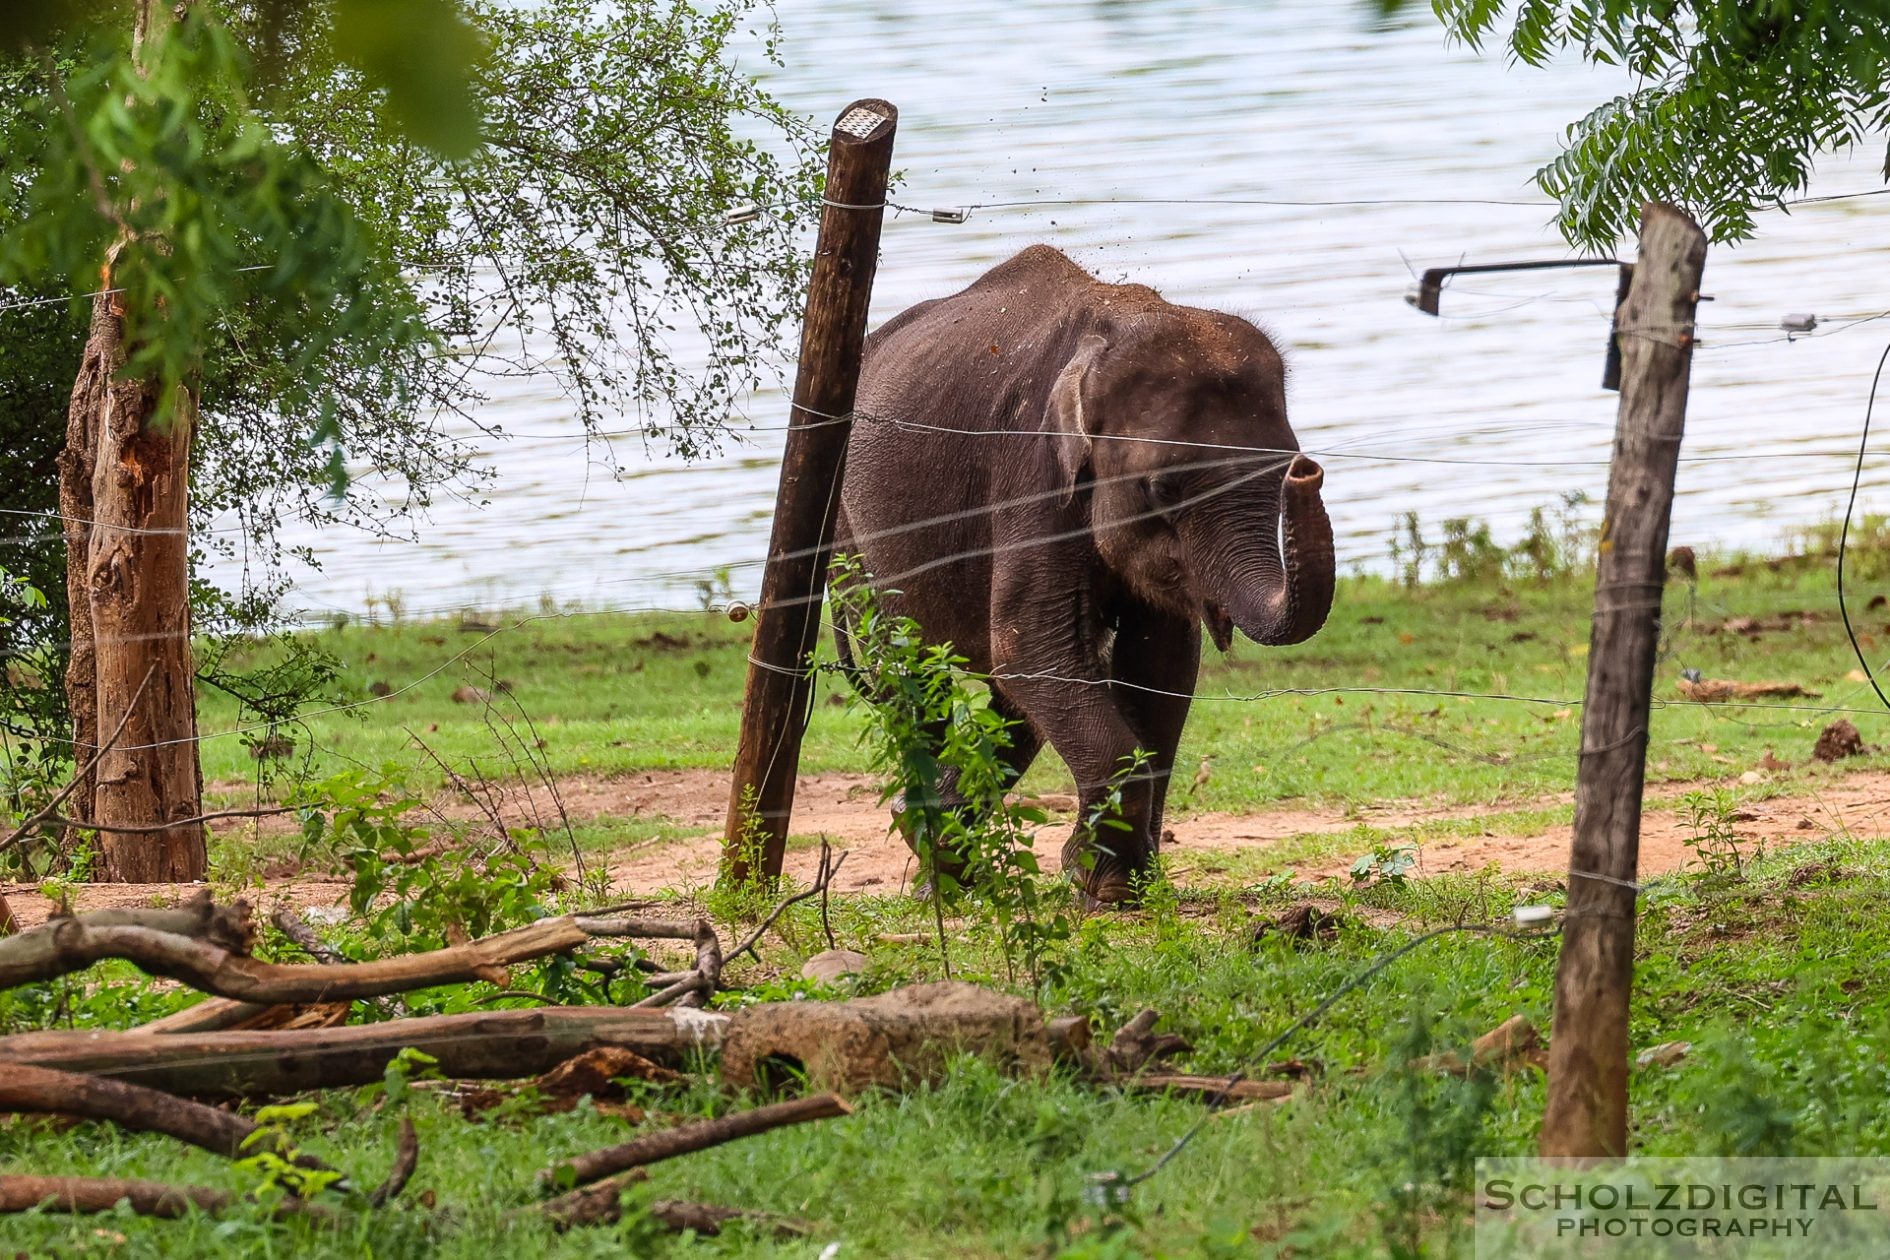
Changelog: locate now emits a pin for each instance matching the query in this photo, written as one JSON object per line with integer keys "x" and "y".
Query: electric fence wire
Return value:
{"x": 1121, "y": 1185}
{"x": 1844, "y": 534}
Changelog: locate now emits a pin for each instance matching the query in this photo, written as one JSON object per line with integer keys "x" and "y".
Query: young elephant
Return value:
{"x": 1065, "y": 479}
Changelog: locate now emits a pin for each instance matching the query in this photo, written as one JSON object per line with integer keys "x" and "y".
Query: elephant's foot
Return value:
{"x": 1104, "y": 880}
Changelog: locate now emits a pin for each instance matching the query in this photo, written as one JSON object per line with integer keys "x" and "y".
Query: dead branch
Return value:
{"x": 406, "y": 1159}
{"x": 1209, "y": 1087}
{"x": 143, "y": 829}
{"x": 602, "y": 1204}
{"x": 42, "y": 1091}
{"x": 688, "y": 1138}
{"x": 497, "y": 1045}
{"x": 216, "y": 1014}
{"x": 146, "y": 1198}
{"x": 819, "y": 887}
{"x": 46, "y": 811}
{"x": 71, "y": 944}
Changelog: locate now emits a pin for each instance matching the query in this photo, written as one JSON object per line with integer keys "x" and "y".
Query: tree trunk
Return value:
{"x": 125, "y": 489}
{"x": 131, "y": 610}
{"x": 75, "y": 505}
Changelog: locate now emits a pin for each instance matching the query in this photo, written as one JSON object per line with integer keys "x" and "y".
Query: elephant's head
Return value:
{"x": 1174, "y": 423}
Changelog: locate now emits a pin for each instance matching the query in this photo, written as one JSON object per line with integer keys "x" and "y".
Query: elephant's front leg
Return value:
{"x": 1110, "y": 848}
{"x": 1155, "y": 662}
{"x": 1048, "y": 657}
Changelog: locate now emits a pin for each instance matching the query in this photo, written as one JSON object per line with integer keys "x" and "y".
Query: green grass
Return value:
{"x": 1779, "y": 981}
{"x": 611, "y": 694}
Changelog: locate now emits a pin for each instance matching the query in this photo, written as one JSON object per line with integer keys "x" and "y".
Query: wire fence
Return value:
{"x": 1248, "y": 463}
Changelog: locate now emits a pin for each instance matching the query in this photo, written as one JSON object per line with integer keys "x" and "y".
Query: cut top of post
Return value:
{"x": 864, "y": 121}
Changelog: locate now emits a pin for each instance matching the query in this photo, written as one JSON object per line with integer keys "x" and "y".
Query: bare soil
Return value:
{"x": 845, "y": 809}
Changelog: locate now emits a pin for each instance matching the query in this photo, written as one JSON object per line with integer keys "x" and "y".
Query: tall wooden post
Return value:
{"x": 1588, "y": 1047}
{"x": 787, "y": 622}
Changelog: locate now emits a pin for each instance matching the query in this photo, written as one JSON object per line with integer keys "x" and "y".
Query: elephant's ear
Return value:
{"x": 1066, "y": 416}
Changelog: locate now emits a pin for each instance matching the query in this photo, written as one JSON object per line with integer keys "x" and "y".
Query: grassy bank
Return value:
{"x": 1388, "y": 702}
{"x": 1770, "y": 972}
{"x": 1775, "y": 980}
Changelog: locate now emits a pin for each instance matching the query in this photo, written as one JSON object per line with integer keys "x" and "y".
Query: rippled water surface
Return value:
{"x": 1492, "y": 410}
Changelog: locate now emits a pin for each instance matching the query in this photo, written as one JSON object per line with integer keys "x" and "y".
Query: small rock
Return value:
{"x": 1838, "y": 741}
{"x": 1666, "y": 1054}
{"x": 469, "y": 694}
{"x": 830, "y": 966}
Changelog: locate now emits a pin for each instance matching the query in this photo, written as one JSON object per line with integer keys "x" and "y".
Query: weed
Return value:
{"x": 941, "y": 746}
{"x": 737, "y": 900}
{"x": 1387, "y": 863}
{"x": 1722, "y": 855}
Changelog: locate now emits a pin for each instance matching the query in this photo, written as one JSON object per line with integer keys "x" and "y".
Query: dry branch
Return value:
{"x": 501, "y": 1045}
{"x": 30, "y": 1090}
{"x": 602, "y": 1204}
{"x": 215, "y": 966}
{"x": 146, "y": 1198}
{"x": 216, "y": 1014}
{"x": 406, "y": 1159}
{"x": 84, "y": 775}
{"x": 686, "y": 1139}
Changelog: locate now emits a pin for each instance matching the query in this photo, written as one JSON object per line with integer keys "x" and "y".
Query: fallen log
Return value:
{"x": 888, "y": 1040}
{"x": 146, "y": 1198}
{"x": 28, "y": 1090}
{"x": 499, "y": 1045}
{"x": 223, "y": 968}
{"x": 42, "y": 953}
{"x": 216, "y": 1014}
{"x": 685, "y": 1139}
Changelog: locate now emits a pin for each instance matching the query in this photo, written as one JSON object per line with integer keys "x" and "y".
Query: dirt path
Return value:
{"x": 845, "y": 809}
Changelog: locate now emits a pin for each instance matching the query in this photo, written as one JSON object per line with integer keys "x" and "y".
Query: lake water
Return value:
{"x": 1493, "y": 410}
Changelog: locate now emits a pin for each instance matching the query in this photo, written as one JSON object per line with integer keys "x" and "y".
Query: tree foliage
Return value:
{"x": 346, "y": 219}
{"x": 1733, "y": 99}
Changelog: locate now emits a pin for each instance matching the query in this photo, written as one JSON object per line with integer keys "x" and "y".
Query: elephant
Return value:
{"x": 1065, "y": 479}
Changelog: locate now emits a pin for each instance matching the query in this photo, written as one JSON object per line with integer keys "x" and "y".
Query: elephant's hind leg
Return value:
{"x": 1014, "y": 759}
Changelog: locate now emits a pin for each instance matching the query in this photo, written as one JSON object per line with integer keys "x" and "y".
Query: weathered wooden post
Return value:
{"x": 1588, "y": 1048}
{"x": 787, "y": 621}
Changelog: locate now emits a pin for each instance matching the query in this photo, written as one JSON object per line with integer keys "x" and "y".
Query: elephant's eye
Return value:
{"x": 1163, "y": 491}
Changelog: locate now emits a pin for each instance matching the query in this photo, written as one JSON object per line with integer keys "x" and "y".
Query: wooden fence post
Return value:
{"x": 787, "y": 620}
{"x": 1588, "y": 1047}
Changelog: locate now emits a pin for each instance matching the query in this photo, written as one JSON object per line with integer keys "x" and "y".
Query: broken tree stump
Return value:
{"x": 885, "y": 1041}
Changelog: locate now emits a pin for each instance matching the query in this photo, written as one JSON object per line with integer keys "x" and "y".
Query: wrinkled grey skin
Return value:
{"x": 1075, "y": 566}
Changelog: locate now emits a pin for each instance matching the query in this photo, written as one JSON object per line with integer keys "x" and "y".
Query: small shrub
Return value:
{"x": 940, "y": 744}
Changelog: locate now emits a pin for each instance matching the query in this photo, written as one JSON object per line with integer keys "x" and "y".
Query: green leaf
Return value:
{"x": 423, "y": 54}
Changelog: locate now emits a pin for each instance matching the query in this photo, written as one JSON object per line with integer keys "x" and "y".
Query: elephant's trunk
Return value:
{"x": 1275, "y": 584}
